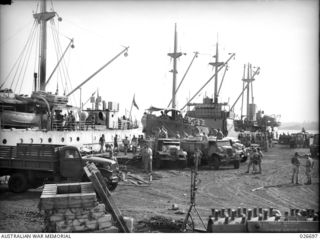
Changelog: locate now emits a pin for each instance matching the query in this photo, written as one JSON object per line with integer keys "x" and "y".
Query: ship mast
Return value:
{"x": 42, "y": 18}
{"x": 216, "y": 64}
{"x": 174, "y": 55}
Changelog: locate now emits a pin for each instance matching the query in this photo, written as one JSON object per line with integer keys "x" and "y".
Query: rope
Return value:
{"x": 28, "y": 55}
{"x": 23, "y": 55}
{"x": 17, "y": 62}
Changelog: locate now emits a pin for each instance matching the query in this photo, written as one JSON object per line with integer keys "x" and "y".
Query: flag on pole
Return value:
{"x": 134, "y": 102}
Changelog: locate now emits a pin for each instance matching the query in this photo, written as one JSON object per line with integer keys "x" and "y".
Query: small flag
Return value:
{"x": 134, "y": 102}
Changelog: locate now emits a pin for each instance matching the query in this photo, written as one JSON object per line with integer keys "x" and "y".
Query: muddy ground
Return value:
{"x": 150, "y": 205}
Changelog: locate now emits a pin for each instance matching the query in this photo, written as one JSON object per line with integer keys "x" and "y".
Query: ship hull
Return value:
{"x": 152, "y": 123}
{"x": 79, "y": 138}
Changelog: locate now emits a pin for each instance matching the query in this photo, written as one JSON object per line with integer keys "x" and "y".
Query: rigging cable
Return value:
{"x": 14, "y": 65}
{"x": 28, "y": 55}
{"x": 36, "y": 59}
{"x": 22, "y": 55}
{"x": 59, "y": 51}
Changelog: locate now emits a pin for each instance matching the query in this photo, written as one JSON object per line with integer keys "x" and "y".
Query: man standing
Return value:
{"x": 309, "y": 167}
{"x": 115, "y": 144}
{"x": 134, "y": 143}
{"x": 147, "y": 159}
{"x": 197, "y": 157}
{"x": 259, "y": 159}
{"x": 219, "y": 134}
{"x": 295, "y": 168}
{"x": 126, "y": 145}
{"x": 251, "y": 161}
{"x": 102, "y": 142}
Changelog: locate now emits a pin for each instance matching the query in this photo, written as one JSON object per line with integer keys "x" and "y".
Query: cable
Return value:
{"x": 21, "y": 56}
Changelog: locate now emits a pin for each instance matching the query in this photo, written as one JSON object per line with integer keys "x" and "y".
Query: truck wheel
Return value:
{"x": 18, "y": 183}
{"x": 236, "y": 164}
{"x": 216, "y": 163}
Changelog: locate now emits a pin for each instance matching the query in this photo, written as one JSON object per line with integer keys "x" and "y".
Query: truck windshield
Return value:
{"x": 71, "y": 154}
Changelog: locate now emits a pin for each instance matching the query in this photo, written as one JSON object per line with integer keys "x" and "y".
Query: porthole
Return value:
{"x": 4, "y": 141}
{"x": 49, "y": 140}
{"x": 78, "y": 139}
{"x": 62, "y": 139}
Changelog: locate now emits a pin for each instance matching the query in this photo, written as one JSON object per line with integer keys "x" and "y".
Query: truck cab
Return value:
{"x": 169, "y": 153}
{"x": 221, "y": 152}
{"x": 31, "y": 165}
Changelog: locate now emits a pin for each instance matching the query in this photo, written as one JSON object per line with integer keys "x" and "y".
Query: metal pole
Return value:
{"x": 224, "y": 74}
{"x": 174, "y": 55}
{"x": 185, "y": 74}
{"x": 248, "y": 89}
{"x": 216, "y": 75}
{"x": 223, "y": 64}
{"x": 256, "y": 72}
{"x": 71, "y": 42}
{"x": 43, "y": 47}
{"x": 85, "y": 81}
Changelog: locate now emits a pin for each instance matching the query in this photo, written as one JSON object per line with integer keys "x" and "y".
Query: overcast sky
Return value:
{"x": 281, "y": 37}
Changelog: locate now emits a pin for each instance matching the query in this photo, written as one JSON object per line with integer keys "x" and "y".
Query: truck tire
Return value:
{"x": 236, "y": 164}
{"x": 18, "y": 183}
{"x": 216, "y": 163}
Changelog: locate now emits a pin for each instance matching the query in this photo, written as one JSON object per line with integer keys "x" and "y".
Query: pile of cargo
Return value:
{"x": 263, "y": 220}
{"x": 74, "y": 207}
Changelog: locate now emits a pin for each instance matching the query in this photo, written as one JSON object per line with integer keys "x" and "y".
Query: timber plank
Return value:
{"x": 95, "y": 176}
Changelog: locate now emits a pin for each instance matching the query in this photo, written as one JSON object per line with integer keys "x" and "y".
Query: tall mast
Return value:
{"x": 174, "y": 55}
{"x": 216, "y": 64}
{"x": 42, "y": 18}
{"x": 216, "y": 75}
{"x": 248, "y": 89}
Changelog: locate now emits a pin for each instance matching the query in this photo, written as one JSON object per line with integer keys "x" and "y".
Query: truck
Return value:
{"x": 216, "y": 152}
{"x": 31, "y": 165}
{"x": 167, "y": 153}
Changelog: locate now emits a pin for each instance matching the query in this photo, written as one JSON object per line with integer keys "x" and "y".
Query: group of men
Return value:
{"x": 255, "y": 159}
{"x": 296, "y": 166}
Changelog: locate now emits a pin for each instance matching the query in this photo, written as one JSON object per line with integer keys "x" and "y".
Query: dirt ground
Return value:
{"x": 150, "y": 205}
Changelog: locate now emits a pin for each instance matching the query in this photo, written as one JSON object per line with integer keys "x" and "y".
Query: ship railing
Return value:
{"x": 72, "y": 126}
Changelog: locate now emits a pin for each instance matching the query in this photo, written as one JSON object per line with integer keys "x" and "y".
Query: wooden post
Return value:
{"x": 101, "y": 188}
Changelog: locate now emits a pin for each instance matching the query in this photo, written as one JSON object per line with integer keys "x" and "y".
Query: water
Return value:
{"x": 280, "y": 131}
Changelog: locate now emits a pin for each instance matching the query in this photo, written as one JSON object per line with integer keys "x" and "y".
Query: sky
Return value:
{"x": 280, "y": 37}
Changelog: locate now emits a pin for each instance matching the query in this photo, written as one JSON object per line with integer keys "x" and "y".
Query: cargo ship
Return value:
{"x": 171, "y": 119}
{"x": 46, "y": 117}
{"x": 216, "y": 115}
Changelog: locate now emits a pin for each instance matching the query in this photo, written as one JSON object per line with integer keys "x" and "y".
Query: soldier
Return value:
{"x": 295, "y": 168}
{"x": 102, "y": 142}
{"x": 259, "y": 159}
{"x": 251, "y": 162}
{"x": 219, "y": 134}
{"x": 126, "y": 143}
{"x": 115, "y": 143}
{"x": 134, "y": 143}
{"x": 309, "y": 168}
{"x": 197, "y": 157}
{"x": 147, "y": 159}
